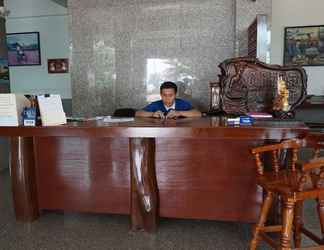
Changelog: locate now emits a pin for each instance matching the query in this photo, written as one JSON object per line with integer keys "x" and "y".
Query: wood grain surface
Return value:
{"x": 203, "y": 169}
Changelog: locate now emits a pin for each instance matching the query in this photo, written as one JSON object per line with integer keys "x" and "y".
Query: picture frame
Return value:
{"x": 58, "y": 65}
{"x": 304, "y": 46}
{"x": 4, "y": 71}
{"x": 23, "y": 49}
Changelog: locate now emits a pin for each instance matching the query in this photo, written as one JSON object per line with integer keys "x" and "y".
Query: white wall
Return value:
{"x": 27, "y": 8}
{"x": 52, "y": 21}
{"x": 297, "y": 13}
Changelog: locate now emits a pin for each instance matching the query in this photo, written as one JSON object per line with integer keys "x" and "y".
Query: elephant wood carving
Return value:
{"x": 248, "y": 85}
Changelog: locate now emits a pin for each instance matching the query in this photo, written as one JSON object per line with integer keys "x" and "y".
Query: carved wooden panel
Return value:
{"x": 249, "y": 85}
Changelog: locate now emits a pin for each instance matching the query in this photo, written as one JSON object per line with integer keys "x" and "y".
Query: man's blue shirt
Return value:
{"x": 180, "y": 105}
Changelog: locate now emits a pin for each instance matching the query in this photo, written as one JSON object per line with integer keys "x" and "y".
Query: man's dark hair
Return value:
{"x": 169, "y": 85}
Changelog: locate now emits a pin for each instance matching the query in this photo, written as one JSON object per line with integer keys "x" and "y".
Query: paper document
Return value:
{"x": 11, "y": 107}
{"x": 119, "y": 119}
{"x": 51, "y": 110}
{"x": 83, "y": 119}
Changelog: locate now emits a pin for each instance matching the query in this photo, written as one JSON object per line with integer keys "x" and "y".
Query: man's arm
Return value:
{"x": 143, "y": 113}
{"x": 188, "y": 110}
{"x": 188, "y": 113}
{"x": 150, "y": 110}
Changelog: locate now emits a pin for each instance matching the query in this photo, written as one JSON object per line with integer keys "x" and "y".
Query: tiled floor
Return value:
{"x": 61, "y": 231}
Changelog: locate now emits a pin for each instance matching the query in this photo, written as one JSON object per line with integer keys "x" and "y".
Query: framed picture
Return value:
{"x": 304, "y": 46}
{"x": 4, "y": 71}
{"x": 60, "y": 65}
{"x": 23, "y": 49}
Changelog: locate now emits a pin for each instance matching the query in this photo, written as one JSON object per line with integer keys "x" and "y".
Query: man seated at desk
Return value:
{"x": 169, "y": 106}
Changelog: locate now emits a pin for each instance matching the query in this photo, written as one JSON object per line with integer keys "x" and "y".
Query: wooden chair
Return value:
{"x": 293, "y": 183}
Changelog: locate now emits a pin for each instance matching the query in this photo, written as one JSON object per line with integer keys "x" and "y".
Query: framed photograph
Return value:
{"x": 23, "y": 49}
{"x": 4, "y": 71}
{"x": 304, "y": 46}
{"x": 56, "y": 66}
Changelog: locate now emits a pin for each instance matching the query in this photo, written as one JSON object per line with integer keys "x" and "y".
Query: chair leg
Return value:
{"x": 298, "y": 223}
{"x": 320, "y": 209}
{"x": 266, "y": 205}
{"x": 287, "y": 220}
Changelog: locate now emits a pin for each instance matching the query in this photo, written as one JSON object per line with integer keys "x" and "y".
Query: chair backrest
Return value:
{"x": 277, "y": 152}
{"x": 312, "y": 169}
{"x": 248, "y": 85}
{"x": 125, "y": 112}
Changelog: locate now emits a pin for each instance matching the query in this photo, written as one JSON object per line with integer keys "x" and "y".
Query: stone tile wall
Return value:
{"x": 123, "y": 49}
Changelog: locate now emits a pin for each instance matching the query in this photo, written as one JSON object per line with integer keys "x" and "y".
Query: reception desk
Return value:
{"x": 149, "y": 168}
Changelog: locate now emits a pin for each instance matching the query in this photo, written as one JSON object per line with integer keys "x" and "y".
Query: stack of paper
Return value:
{"x": 83, "y": 119}
{"x": 118, "y": 119}
{"x": 51, "y": 110}
{"x": 11, "y": 107}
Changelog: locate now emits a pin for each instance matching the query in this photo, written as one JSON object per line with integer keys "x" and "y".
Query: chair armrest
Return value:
{"x": 313, "y": 164}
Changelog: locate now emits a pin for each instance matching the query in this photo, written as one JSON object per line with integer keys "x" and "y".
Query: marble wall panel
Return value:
{"x": 123, "y": 49}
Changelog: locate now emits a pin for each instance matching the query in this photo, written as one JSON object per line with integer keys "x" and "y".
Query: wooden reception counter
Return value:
{"x": 186, "y": 168}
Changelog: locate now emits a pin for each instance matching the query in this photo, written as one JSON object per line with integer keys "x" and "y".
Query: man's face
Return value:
{"x": 168, "y": 96}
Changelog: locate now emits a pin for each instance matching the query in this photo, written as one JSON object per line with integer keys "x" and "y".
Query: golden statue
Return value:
{"x": 281, "y": 101}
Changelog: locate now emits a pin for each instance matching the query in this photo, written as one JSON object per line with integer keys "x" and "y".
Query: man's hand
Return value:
{"x": 173, "y": 114}
{"x": 158, "y": 114}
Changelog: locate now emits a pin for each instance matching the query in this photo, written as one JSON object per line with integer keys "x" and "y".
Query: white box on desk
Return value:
{"x": 11, "y": 107}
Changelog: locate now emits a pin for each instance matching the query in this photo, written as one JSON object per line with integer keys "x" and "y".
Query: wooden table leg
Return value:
{"x": 23, "y": 179}
{"x": 144, "y": 191}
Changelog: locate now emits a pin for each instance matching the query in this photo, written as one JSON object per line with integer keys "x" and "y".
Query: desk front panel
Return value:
{"x": 197, "y": 178}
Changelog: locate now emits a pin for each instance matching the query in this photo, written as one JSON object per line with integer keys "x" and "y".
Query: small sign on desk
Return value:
{"x": 51, "y": 110}
{"x": 29, "y": 116}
